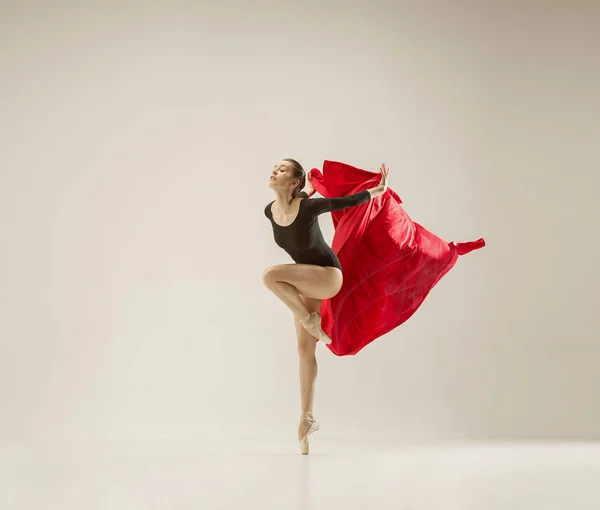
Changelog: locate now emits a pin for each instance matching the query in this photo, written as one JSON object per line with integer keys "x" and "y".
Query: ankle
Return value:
{"x": 307, "y": 416}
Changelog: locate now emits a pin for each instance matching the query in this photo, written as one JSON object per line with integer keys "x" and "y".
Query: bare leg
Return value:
{"x": 308, "y": 368}
{"x": 290, "y": 297}
{"x": 289, "y": 281}
{"x": 302, "y": 287}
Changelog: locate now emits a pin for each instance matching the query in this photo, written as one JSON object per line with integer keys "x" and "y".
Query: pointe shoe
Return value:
{"x": 314, "y": 426}
{"x": 313, "y": 326}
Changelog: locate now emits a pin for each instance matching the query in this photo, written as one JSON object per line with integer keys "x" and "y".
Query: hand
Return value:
{"x": 309, "y": 187}
{"x": 384, "y": 176}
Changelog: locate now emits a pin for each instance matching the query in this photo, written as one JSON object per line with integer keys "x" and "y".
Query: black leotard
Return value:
{"x": 302, "y": 239}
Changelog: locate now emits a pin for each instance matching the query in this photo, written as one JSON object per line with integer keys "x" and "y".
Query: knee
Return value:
{"x": 306, "y": 353}
{"x": 269, "y": 275}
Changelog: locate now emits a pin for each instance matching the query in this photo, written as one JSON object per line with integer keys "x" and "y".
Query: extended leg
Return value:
{"x": 308, "y": 370}
{"x": 308, "y": 366}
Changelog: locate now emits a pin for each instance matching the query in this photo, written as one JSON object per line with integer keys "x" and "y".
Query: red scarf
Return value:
{"x": 390, "y": 263}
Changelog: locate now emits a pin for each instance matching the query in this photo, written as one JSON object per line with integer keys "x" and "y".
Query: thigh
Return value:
{"x": 306, "y": 343}
{"x": 311, "y": 281}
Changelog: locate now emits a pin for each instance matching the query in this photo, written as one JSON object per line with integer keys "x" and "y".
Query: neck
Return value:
{"x": 284, "y": 199}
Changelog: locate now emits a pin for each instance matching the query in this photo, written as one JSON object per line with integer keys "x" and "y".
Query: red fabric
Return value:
{"x": 390, "y": 263}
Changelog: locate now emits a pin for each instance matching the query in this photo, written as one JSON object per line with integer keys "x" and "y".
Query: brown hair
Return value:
{"x": 298, "y": 173}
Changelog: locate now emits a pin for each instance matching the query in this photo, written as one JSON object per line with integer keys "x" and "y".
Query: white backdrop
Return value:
{"x": 136, "y": 142}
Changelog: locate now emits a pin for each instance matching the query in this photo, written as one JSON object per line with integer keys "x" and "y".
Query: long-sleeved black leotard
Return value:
{"x": 303, "y": 239}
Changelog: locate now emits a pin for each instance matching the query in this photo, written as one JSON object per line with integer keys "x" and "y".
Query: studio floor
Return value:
{"x": 335, "y": 475}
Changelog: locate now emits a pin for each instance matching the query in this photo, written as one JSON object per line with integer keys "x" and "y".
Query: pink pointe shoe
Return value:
{"x": 314, "y": 426}
{"x": 313, "y": 326}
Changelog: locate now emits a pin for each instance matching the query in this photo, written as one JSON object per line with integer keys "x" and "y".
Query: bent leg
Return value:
{"x": 288, "y": 281}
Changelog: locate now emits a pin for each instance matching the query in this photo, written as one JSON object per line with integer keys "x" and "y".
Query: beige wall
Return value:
{"x": 136, "y": 141}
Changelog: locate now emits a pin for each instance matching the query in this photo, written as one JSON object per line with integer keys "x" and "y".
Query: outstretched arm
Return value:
{"x": 321, "y": 205}
{"x": 318, "y": 206}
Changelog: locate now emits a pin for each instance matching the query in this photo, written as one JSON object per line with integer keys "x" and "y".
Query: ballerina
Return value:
{"x": 316, "y": 274}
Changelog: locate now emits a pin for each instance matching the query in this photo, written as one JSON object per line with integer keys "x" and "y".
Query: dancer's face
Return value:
{"x": 281, "y": 176}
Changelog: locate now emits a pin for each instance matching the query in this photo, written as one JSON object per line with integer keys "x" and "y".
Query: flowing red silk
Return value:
{"x": 390, "y": 263}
